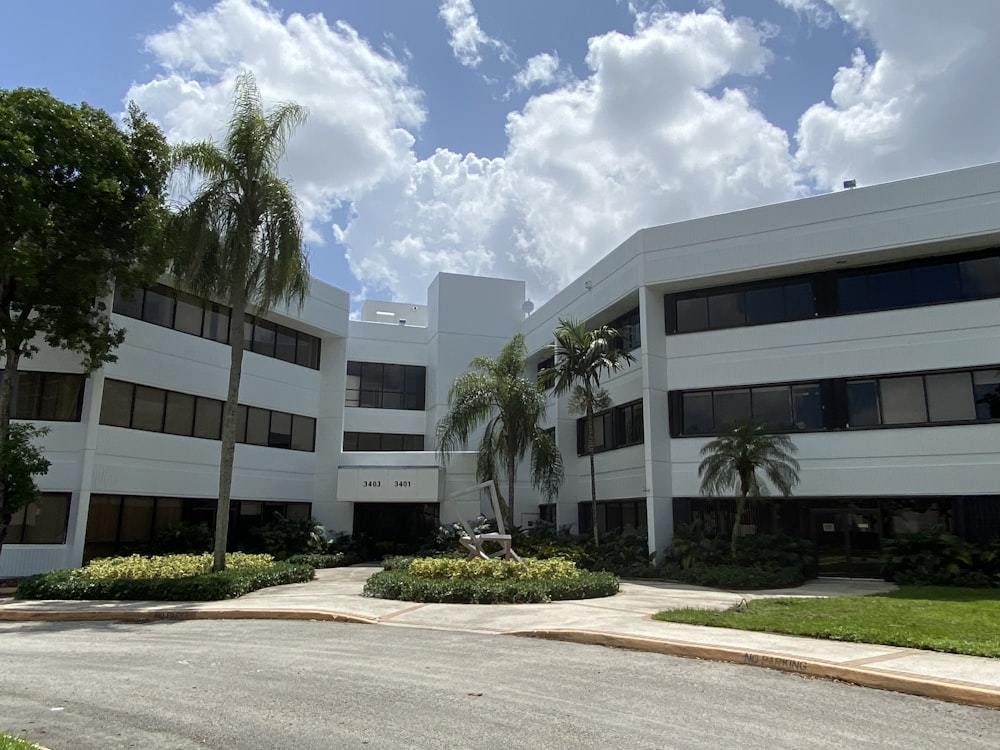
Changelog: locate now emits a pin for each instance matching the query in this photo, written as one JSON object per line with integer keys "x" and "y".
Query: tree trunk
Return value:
{"x": 511, "y": 468}
{"x": 741, "y": 502}
{"x": 593, "y": 473}
{"x": 12, "y": 357}
{"x": 237, "y": 301}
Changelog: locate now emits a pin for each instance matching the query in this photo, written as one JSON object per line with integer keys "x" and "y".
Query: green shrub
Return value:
{"x": 283, "y": 537}
{"x": 167, "y": 566}
{"x": 401, "y": 585}
{"x": 731, "y": 576}
{"x": 333, "y": 560}
{"x": 230, "y": 583}
{"x": 692, "y": 548}
{"x": 397, "y": 562}
{"x": 527, "y": 569}
{"x": 180, "y": 538}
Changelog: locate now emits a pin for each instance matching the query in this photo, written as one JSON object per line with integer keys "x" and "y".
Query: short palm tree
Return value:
{"x": 511, "y": 406}
{"x": 581, "y": 357}
{"x": 741, "y": 459}
{"x": 239, "y": 239}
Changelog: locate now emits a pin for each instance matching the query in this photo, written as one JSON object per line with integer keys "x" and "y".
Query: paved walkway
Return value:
{"x": 620, "y": 621}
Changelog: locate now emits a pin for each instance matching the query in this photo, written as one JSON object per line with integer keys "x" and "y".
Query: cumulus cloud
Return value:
{"x": 540, "y": 70}
{"x": 922, "y": 105}
{"x": 465, "y": 35}
{"x": 362, "y": 110}
{"x": 816, "y": 11}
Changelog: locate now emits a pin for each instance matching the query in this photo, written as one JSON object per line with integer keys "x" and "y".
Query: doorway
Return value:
{"x": 393, "y": 528}
{"x": 848, "y": 541}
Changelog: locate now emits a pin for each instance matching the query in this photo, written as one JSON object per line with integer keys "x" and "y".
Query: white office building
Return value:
{"x": 864, "y": 323}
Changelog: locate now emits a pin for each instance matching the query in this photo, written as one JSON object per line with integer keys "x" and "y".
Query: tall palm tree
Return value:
{"x": 581, "y": 357}
{"x": 240, "y": 239}
{"x": 511, "y": 405}
{"x": 741, "y": 459}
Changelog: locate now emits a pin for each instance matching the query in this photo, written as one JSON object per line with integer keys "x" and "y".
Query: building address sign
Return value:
{"x": 389, "y": 484}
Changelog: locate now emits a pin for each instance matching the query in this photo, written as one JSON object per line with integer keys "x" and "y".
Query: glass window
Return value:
{"x": 765, "y": 305}
{"x": 28, "y": 395}
{"x": 392, "y": 442}
{"x": 416, "y": 378}
{"x": 799, "y": 302}
{"x": 280, "y": 435}
{"x": 102, "y": 518}
{"x": 949, "y": 397}
{"x": 862, "y": 403}
{"x": 392, "y": 400}
{"x": 352, "y": 394}
{"x": 137, "y": 519}
{"x": 937, "y": 283}
{"x": 731, "y": 407}
{"x": 247, "y": 333}
{"x": 241, "y": 423}
{"x": 726, "y": 310}
{"x": 179, "y": 419}
{"x": 772, "y": 405}
{"x": 369, "y": 441}
{"x": 807, "y": 405}
{"x": 158, "y": 307}
{"x": 284, "y": 344}
{"x": 264, "y": 334}
{"x": 986, "y": 386}
{"x": 692, "y": 314}
{"x": 980, "y": 277}
{"x": 208, "y": 418}
{"x": 61, "y": 397}
{"x": 371, "y": 376}
{"x": 303, "y": 433}
{"x": 852, "y": 294}
{"x": 147, "y": 412}
{"x": 902, "y": 400}
{"x": 116, "y": 406}
{"x": 890, "y": 289}
{"x": 42, "y": 522}
{"x": 216, "y": 323}
{"x": 351, "y": 441}
{"x": 128, "y": 301}
{"x": 169, "y": 511}
{"x": 697, "y": 413}
{"x": 413, "y": 442}
{"x": 392, "y": 378}
{"x": 258, "y": 426}
{"x": 188, "y": 317}
{"x": 307, "y": 351}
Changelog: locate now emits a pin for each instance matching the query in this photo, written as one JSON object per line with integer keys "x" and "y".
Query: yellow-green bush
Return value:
{"x": 136, "y": 567}
{"x": 526, "y": 570}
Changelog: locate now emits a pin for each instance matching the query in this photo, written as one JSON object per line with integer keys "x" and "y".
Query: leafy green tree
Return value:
{"x": 741, "y": 459}
{"x": 22, "y": 462}
{"x": 240, "y": 239}
{"x": 511, "y": 406}
{"x": 581, "y": 357}
{"x": 82, "y": 208}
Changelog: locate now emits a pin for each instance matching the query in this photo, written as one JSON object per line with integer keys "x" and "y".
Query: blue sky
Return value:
{"x": 527, "y": 138}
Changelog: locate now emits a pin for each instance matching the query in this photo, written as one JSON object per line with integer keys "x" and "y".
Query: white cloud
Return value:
{"x": 540, "y": 70}
{"x": 361, "y": 107}
{"x": 924, "y": 104}
{"x": 816, "y": 11}
{"x": 465, "y": 35}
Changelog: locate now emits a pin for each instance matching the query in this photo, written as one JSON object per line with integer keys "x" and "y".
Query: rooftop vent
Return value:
{"x": 848, "y": 184}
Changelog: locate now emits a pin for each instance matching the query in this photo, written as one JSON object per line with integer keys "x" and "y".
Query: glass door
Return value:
{"x": 848, "y": 541}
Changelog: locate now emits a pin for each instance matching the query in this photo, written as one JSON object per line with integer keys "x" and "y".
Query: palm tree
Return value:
{"x": 580, "y": 358}
{"x": 736, "y": 460}
{"x": 240, "y": 239}
{"x": 511, "y": 405}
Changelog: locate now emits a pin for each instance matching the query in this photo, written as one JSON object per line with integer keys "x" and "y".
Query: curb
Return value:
{"x": 942, "y": 689}
{"x": 140, "y": 615}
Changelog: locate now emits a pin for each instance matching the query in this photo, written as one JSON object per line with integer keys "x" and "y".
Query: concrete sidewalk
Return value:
{"x": 621, "y": 621}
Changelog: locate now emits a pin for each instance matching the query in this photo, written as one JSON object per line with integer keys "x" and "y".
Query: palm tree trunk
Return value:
{"x": 593, "y": 473}
{"x": 741, "y": 502}
{"x": 12, "y": 358}
{"x": 511, "y": 468}
{"x": 237, "y": 302}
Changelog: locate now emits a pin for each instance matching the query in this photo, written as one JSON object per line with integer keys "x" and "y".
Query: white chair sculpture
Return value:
{"x": 474, "y": 542}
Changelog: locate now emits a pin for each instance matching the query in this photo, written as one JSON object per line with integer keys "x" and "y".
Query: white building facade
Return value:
{"x": 865, "y": 324}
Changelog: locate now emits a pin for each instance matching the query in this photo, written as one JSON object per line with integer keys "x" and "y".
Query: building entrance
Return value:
{"x": 393, "y": 528}
{"x": 848, "y": 541}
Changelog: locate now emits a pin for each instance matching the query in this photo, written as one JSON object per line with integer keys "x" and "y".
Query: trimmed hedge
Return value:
{"x": 528, "y": 569}
{"x": 167, "y": 566}
{"x": 734, "y": 576}
{"x": 333, "y": 560}
{"x": 398, "y": 584}
{"x": 230, "y": 583}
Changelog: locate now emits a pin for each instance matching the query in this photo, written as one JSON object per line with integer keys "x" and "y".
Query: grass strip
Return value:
{"x": 952, "y": 620}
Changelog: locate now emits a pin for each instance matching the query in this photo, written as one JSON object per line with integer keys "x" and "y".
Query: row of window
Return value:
{"x": 171, "y": 308}
{"x": 382, "y": 441}
{"x": 53, "y": 396}
{"x": 939, "y": 397}
{"x": 123, "y": 523}
{"x": 888, "y": 286}
{"x": 376, "y": 385}
{"x": 613, "y": 515}
{"x": 43, "y": 522}
{"x": 617, "y": 427}
{"x": 629, "y": 335}
{"x": 141, "y": 407}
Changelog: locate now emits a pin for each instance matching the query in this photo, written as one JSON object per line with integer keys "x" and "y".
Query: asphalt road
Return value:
{"x": 272, "y": 684}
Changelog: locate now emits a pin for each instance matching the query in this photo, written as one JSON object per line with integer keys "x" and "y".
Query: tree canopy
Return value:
{"x": 240, "y": 239}
{"x": 22, "y": 461}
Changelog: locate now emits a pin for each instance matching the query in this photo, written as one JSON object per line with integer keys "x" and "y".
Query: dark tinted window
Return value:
{"x": 128, "y": 302}
{"x": 698, "y": 415}
{"x": 937, "y": 283}
{"x": 731, "y": 407}
{"x": 765, "y": 306}
{"x": 208, "y": 418}
{"x": 263, "y": 337}
{"x": 902, "y": 400}
{"x": 772, "y": 405}
{"x": 852, "y": 294}
{"x": 284, "y": 347}
{"x": 280, "y": 435}
{"x": 116, "y": 405}
{"x": 950, "y": 397}
{"x": 986, "y": 387}
{"x": 180, "y": 414}
{"x": 216, "y": 323}
{"x": 158, "y": 307}
{"x": 147, "y": 411}
{"x": 42, "y": 522}
{"x": 980, "y": 277}
{"x": 303, "y": 433}
{"x": 726, "y": 310}
{"x": 891, "y": 289}
{"x": 807, "y": 405}
{"x": 799, "y": 302}
{"x": 862, "y": 403}
{"x": 692, "y": 314}
{"x": 189, "y": 313}
{"x": 258, "y": 426}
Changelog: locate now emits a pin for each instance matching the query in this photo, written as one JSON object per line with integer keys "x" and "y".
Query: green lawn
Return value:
{"x": 14, "y": 743}
{"x": 956, "y": 620}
